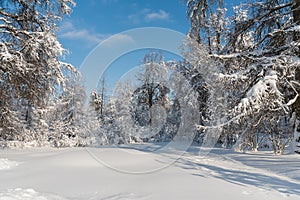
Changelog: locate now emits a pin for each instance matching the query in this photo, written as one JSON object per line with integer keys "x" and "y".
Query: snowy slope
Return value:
{"x": 76, "y": 174}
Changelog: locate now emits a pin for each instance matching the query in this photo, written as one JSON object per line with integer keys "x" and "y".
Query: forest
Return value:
{"x": 244, "y": 68}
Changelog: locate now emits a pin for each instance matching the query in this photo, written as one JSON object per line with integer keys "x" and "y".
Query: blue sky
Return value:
{"x": 93, "y": 21}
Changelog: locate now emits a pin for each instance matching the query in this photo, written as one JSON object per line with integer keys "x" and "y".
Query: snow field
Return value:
{"x": 7, "y": 164}
{"x": 26, "y": 194}
{"x": 72, "y": 173}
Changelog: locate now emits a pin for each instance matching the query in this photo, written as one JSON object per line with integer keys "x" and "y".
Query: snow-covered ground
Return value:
{"x": 140, "y": 172}
{"x": 6, "y": 164}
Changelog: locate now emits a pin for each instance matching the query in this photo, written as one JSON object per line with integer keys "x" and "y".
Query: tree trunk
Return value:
{"x": 296, "y": 11}
{"x": 296, "y": 139}
{"x": 296, "y": 38}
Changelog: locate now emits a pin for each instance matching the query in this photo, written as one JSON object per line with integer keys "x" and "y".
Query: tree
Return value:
{"x": 96, "y": 104}
{"x": 296, "y": 37}
{"x": 205, "y": 23}
{"x": 156, "y": 109}
{"x": 259, "y": 58}
{"x": 97, "y": 100}
{"x": 150, "y": 79}
{"x": 209, "y": 26}
{"x": 102, "y": 95}
{"x": 30, "y": 66}
{"x": 271, "y": 86}
{"x": 67, "y": 116}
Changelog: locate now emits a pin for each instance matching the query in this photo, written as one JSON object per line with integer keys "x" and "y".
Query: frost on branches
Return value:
{"x": 31, "y": 73}
{"x": 259, "y": 59}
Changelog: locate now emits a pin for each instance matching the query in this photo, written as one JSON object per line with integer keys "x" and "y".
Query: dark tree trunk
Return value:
{"x": 296, "y": 16}
{"x": 296, "y": 38}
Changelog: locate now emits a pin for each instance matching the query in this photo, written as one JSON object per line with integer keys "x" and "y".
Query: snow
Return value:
{"x": 72, "y": 173}
{"x": 259, "y": 92}
{"x": 26, "y": 194}
{"x": 7, "y": 164}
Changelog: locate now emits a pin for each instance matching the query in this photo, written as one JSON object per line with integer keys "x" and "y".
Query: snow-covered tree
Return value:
{"x": 96, "y": 104}
{"x": 97, "y": 99}
{"x": 155, "y": 106}
{"x": 259, "y": 56}
{"x": 30, "y": 65}
{"x": 296, "y": 19}
{"x": 151, "y": 78}
{"x": 124, "y": 123}
{"x": 269, "y": 63}
{"x": 67, "y": 115}
{"x": 203, "y": 19}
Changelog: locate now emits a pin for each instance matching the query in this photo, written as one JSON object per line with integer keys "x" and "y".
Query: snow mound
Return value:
{"x": 7, "y": 164}
{"x": 26, "y": 194}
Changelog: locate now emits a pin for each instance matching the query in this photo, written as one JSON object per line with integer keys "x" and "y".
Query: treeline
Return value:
{"x": 250, "y": 96}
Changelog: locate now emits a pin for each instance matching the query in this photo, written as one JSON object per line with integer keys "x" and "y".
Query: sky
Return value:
{"x": 92, "y": 22}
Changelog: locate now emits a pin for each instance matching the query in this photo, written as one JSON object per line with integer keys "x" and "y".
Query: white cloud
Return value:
{"x": 148, "y": 15}
{"x": 160, "y": 15}
{"x": 67, "y": 25}
{"x": 138, "y": 17}
{"x": 83, "y": 34}
{"x": 118, "y": 39}
{"x": 68, "y": 31}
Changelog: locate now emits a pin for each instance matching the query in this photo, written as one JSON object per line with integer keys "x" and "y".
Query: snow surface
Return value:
{"x": 26, "y": 194}
{"x": 6, "y": 164}
{"x": 109, "y": 173}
